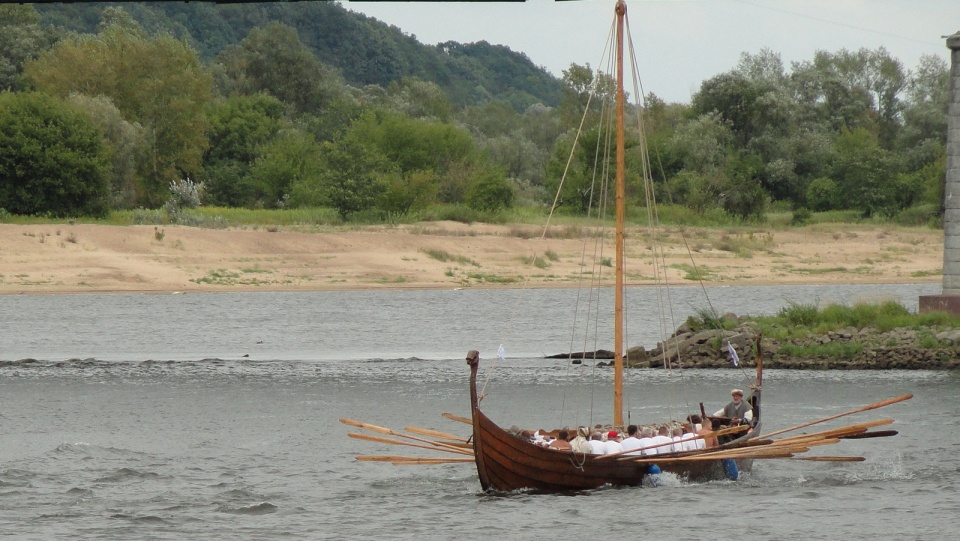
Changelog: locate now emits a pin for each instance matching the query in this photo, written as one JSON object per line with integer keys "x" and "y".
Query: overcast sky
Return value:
{"x": 680, "y": 43}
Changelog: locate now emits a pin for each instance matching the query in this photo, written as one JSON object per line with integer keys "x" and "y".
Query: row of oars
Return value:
{"x": 766, "y": 448}
{"x": 447, "y": 443}
{"x": 788, "y": 448}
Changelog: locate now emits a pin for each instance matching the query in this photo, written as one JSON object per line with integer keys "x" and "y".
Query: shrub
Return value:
{"x": 491, "y": 193}
{"x": 52, "y": 158}
{"x": 801, "y": 216}
{"x": 822, "y": 194}
{"x": 184, "y": 194}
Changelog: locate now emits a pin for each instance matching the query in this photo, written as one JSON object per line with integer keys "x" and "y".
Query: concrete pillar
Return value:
{"x": 950, "y": 299}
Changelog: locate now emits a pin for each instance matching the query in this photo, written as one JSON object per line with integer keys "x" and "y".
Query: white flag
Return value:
{"x": 501, "y": 352}
{"x": 733, "y": 354}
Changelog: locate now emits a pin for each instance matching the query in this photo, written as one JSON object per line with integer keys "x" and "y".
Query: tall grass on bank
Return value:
{"x": 531, "y": 215}
{"x": 802, "y": 320}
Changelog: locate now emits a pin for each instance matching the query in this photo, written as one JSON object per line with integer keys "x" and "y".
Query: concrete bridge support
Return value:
{"x": 949, "y": 301}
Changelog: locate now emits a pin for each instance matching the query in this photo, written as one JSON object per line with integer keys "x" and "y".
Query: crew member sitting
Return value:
{"x": 580, "y": 444}
{"x": 596, "y": 443}
{"x": 709, "y": 440}
{"x": 561, "y": 443}
{"x": 612, "y": 445}
{"x": 663, "y": 441}
{"x": 631, "y": 442}
{"x": 647, "y": 443}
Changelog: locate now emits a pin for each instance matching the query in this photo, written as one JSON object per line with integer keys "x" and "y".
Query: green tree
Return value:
{"x": 349, "y": 179}
{"x": 405, "y": 193}
{"x": 239, "y": 127}
{"x": 420, "y": 99}
{"x": 924, "y": 117}
{"x": 866, "y": 174}
{"x": 583, "y": 91}
{"x": 156, "y": 82}
{"x": 52, "y": 159}
{"x": 273, "y": 59}
{"x": 290, "y": 159}
{"x": 743, "y": 195}
{"x": 126, "y": 144}
{"x": 703, "y": 143}
{"x": 822, "y": 195}
{"x": 410, "y": 146}
{"x": 491, "y": 192}
{"x": 21, "y": 39}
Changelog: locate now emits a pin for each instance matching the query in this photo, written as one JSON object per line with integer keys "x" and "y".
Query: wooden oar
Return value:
{"x": 385, "y": 430}
{"x": 411, "y": 459}
{"x": 874, "y": 434}
{"x": 831, "y": 458}
{"x": 837, "y": 432}
{"x": 391, "y": 441}
{"x": 434, "y": 433}
{"x": 457, "y": 418}
{"x": 717, "y": 453}
{"x": 381, "y": 458}
{"x": 880, "y": 404}
{"x": 711, "y": 456}
{"x": 430, "y": 461}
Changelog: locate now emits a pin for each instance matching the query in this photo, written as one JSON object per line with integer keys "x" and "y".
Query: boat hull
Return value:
{"x": 506, "y": 462}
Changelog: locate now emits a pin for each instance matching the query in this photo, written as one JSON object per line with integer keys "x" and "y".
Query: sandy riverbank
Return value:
{"x": 100, "y": 258}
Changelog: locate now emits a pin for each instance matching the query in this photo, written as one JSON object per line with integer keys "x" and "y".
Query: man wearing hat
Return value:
{"x": 738, "y": 408}
{"x": 612, "y": 445}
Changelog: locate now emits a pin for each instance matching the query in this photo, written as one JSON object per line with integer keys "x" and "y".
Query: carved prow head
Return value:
{"x": 473, "y": 358}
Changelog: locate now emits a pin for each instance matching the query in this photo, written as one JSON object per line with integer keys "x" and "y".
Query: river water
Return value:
{"x": 214, "y": 416}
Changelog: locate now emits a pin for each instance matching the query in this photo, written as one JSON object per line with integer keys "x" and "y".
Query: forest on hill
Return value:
{"x": 306, "y": 105}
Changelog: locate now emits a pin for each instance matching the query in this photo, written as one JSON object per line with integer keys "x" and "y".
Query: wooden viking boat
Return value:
{"x": 506, "y": 462}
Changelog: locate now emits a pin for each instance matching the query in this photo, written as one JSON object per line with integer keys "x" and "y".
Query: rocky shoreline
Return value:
{"x": 864, "y": 349}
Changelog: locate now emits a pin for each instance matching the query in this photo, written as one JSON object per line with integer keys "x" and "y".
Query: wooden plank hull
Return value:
{"x": 506, "y": 462}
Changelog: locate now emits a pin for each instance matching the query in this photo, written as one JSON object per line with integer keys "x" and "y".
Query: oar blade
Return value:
{"x": 831, "y": 458}
{"x": 457, "y": 418}
{"x": 434, "y": 433}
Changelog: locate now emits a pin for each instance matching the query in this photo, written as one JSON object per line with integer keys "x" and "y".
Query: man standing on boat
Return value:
{"x": 740, "y": 411}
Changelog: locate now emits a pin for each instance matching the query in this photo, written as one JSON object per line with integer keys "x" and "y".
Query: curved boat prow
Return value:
{"x": 473, "y": 360}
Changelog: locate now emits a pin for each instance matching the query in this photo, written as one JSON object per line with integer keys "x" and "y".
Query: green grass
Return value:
{"x": 491, "y": 278}
{"x": 701, "y": 272}
{"x": 536, "y": 261}
{"x": 707, "y": 318}
{"x": 445, "y": 256}
{"x": 813, "y": 271}
{"x": 839, "y": 350}
{"x": 223, "y": 277}
{"x": 802, "y": 320}
{"x": 566, "y": 223}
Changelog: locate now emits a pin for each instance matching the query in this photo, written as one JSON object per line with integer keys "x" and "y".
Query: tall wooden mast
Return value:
{"x": 621, "y": 11}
